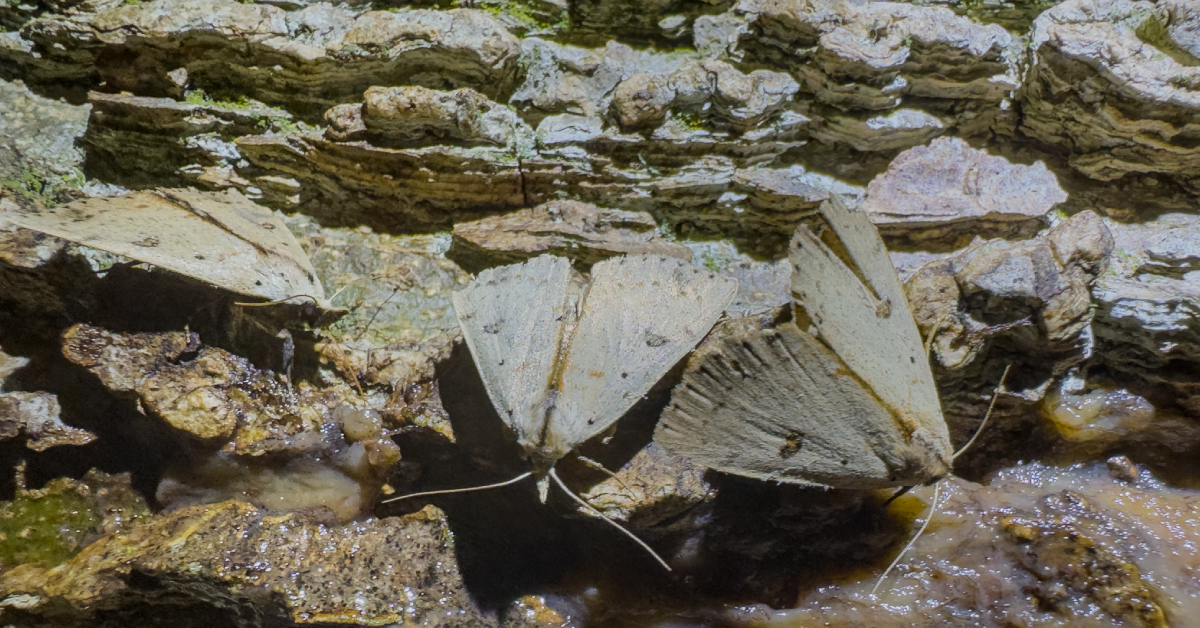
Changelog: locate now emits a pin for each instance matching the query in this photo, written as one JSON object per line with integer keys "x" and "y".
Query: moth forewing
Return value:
{"x": 640, "y": 316}
{"x": 221, "y": 239}
{"x": 870, "y": 327}
{"x": 513, "y": 319}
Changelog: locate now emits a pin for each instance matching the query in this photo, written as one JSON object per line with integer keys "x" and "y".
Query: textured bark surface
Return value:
{"x": 1033, "y": 165}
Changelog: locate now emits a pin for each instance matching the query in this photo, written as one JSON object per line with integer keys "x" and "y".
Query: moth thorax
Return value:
{"x": 542, "y": 458}
{"x": 544, "y": 408}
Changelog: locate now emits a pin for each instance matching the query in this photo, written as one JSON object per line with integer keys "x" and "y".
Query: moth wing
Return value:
{"x": 777, "y": 404}
{"x": 222, "y": 239}
{"x": 641, "y": 315}
{"x": 864, "y": 317}
{"x": 513, "y": 319}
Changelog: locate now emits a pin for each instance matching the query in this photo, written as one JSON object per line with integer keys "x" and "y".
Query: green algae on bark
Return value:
{"x": 45, "y": 529}
{"x": 47, "y": 526}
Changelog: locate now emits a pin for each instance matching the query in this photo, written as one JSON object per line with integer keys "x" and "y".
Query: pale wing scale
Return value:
{"x": 777, "y": 404}
{"x": 874, "y": 334}
{"x": 641, "y": 315}
{"x": 513, "y": 319}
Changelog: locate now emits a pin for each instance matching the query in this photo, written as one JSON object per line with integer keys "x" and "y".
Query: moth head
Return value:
{"x": 541, "y": 458}
{"x": 927, "y": 459}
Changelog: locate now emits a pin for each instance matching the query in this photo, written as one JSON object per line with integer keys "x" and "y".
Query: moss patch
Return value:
{"x": 50, "y": 189}
{"x": 45, "y": 527}
{"x": 527, "y": 15}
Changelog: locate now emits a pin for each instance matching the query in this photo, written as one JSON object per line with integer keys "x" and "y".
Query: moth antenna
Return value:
{"x": 592, "y": 510}
{"x": 343, "y": 288}
{"x": 986, "y": 416}
{"x": 928, "y": 352}
{"x": 376, "y": 314}
{"x": 460, "y": 490}
{"x": 933, "y": 333}
{"x": 911, "y": 542}
{"x": 599, "y": 467}
{"x": 937, "y": 486}
{"x": 341, "y": 351}
{"x": 278, "y": 301}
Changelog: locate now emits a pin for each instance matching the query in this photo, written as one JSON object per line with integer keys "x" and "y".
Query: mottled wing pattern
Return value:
{"x": 777, "y": 404}
{"x": 864, "y": 317}
{"x": 513, "y": 318}
{"x": 641, "y": 315}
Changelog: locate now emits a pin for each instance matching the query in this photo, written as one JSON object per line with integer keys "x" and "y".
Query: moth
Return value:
{"x": 852, "y": 405}
{"x": 562, "y": 362}
{"x": 562, "y": 368}
{"x": 221, "y": 239}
